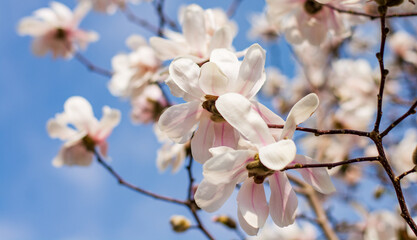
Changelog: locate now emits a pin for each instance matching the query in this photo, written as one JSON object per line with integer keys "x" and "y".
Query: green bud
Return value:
{"x": 180, "y": 223}
{"x": 226, "y": 221}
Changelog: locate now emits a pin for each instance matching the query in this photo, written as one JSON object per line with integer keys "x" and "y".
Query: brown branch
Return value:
{"x": 383, "y": 71}
{"x": 410, "y": 111}
{"x": 233, "y": 7}
{"x": 371, "y": 16}
{"x": 325, "y": 132}
{"x": 331, "y": 165}
{"x": 159, "y": 9}
{"x": 315, "y": 204}
{"x": 121, "y": 181}
{"x": 90, "y": 66}
{"x": 405, "y": 174}
{"x": 139, "y": 21}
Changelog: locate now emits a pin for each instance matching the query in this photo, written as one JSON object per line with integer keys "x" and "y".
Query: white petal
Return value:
{"x": 300, "y": 112}
{"x": 252, "y": 203}
{"x": 225, "y": 135}
{"x": 80, "y": 113}
{"x": 194, "y": 28}
{"x": 179, "y": 121}
{"x": 283, "y": 202}
{"x": 267, "y": 115}
{"x": 203, "y": 139}
{"x": 59, "y": 129}
{"x": 235, "y": 108}
{"x": 62, "y": 12}
{"x": 211, "y": 197}
{"x": 135, "y": 41}
{"x": 39, "y": 47}
{"x": 75, "y": 154}
{"x": 252, "y": 72}
{"x": 110, "y": 119}
{"x": 32, "y": 26}
{"x": 185, "y": 73}
{"x": 251, "y": 231}
{"x": 227, "y": 62}
{"x": 81, "y": 10}
{"x": 222, "y": 38}
{"x": 212, "y": 81}
{"x": 318, "y": 178}
{"x": 277, "y": 155}
{"x": 167, "y": 49}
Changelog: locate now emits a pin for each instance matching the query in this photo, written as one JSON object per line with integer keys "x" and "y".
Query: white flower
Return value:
{"x": 56, "y": 29}
{"x": 148, "y": 106}
{"x": 171, "y": 153}
{"x": 132, "y": 72}
{"x": 405, "y": 46}
{"x": 262, "y": 28}
{"x": 203, "y": 31}
{"x": 86, "y": 131}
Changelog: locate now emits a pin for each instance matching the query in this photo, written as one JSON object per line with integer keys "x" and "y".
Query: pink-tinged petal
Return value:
{"x": 252, "y": 72}
{"x": 252, "y": 203}
{"x": 212, "y": 81}
{"x": 222, "y": 38}
{"x": 211, "y": 197}
{"x": 32, "y": 26}
{"x": 203, "y": 139}
{"x": 75, "y": 154}
{"x": 277, "y": 155}
{"x": 300, "y": 112}
{"x": 80, "y": 113}
{"x": 283, "y": 202}
{"x": 267, "y": 115}
{"x": 179, "y": 121}
{"x": 227, "y": 62}
{"x": 104, "y": 147}
{"x": 235, "y": 108}
{"x": 318, "y": 178}
{"x": 185, "y": 73}
{"x": 251, "y": 231}
{"x": 57, "y": 128}
{"x": 194, "y": 28}
{"x": 227, "y": 166}
{"x": 177, "y": 91}
{"x": 110, "y": 119}
{"x": 225, "y": 135}
{"x": 39, "y": 47}
{"x": 315, "y": 32}
{"x": 167, "y": 49}
{"x": 63, "y": 13}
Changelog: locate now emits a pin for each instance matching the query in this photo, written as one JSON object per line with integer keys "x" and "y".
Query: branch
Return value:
{"x": 410, "y": 111}
{"x": 90, "y": 66}
{"x": 159, "y": 9}
{"x": 139, "y": 21}
{"x": 371, "y": 16}
{"x": 405, "y": 174}
{"x": 314, "y": 202}
{"x": 331, "y": 165}
{"x": 325, "y": 132}
{"x": 131, "y": 186}
{"x": 383, "y": 71}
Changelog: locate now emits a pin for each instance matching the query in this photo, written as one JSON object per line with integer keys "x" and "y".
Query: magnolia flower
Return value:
{"x": 170, "y": 154}
{"x": 306, "y": 231}
{"x": 56, "y": 29}
{"x": 86, "y": 131}
{"x": 201, "y": 87}
{"x": 132, "y": 72}
{"x": 203, "y": 31}
{"x": 110, "y": 6}
{"x": 309, "y": 20}
{"x": 148, "y": 106}
{"x": 263, "y": 28}
{"x": 405, "y": 46}
{"x": 255, "y": 161}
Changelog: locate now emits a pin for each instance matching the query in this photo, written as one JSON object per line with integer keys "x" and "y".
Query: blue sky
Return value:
{"x": 38, "y": 201}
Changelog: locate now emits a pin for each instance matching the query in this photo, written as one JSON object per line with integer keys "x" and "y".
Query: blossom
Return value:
{"x": 200, "y": 87}
{"x": 404, "y": 45}
{"x": 133, "y": 71}
{"x": 86, "y": 133}
{"x": 263, "y": 28}
{"x": 259, "y": 159}
{"x": 110, "y": 6}
{"x": 170, "y": 153}
{"x": 148, "y": 106}
{"x": 309, "y": 20}
{"x": 203, "y": 31}
{"x": 56, "y": 29}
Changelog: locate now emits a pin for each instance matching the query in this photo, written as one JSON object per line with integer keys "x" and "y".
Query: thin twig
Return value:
{"x": 383, "y": 71}
{"x": 331, "y": 165}
{"x": 90, "y": 66}
{"x": 139, "y": 21}
{"x": 410, "y": 111}
{"x": 371, "y": 16}
{"x": 325, "y": 132}
{"x": 121, "y": 181}
{"x": 160, "y": 11}
{"x": 405, "y": 174}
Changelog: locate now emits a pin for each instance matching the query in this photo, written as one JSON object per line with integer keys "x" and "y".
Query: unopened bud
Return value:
{"x": 180, "y": 223}
{"x": 415, "y": 156}
{"x": 379, "y": 191}
{"x": 225, "y": 220}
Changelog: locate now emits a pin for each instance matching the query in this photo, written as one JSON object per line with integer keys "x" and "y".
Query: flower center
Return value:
{"x": 257, "y": 170}
{"x": 312, "y": 7}
{"x": 60, "y": 34}
{"x": 210, "y": 106}
{"x": 88, "y": 143}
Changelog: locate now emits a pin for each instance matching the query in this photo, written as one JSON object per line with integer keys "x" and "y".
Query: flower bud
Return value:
{"x": 180, "y": 223}
{"x": 225, "y": 220}
{"x": 379, "y": 191}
